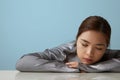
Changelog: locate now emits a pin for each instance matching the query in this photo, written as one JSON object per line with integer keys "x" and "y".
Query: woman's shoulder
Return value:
{"x": 68, "y": 45}
{"x": 111, "y": 53}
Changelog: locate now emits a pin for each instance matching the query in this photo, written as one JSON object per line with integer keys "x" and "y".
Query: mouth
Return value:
{"x": 87, "y": 60}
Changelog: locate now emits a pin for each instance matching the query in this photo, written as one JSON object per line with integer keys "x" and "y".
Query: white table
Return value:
{"x": 16, "y": 75}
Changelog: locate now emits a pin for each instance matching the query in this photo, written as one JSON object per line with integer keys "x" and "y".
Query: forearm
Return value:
{"x": 32, "y": 63}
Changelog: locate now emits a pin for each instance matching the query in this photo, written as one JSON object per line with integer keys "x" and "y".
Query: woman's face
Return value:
{"x": 91, "y": 46}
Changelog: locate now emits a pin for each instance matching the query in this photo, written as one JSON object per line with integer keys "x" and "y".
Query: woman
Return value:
{"x": 88, "y": 53}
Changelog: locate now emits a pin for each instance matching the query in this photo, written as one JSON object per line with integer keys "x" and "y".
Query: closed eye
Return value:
{"x": 85, "y": 45}
{"x": 99, "y": 48}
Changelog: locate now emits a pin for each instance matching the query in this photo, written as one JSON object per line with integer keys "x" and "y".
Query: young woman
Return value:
{"x": 88, "y": 53}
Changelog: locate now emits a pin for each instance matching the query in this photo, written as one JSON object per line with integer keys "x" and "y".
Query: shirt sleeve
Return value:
{"x": 49, "y": 60}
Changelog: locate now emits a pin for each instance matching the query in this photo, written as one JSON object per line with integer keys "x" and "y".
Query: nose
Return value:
{"x": 90, "y": 52}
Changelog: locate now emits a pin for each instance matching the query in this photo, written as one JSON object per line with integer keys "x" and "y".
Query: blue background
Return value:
{"x": 33, "y": 25}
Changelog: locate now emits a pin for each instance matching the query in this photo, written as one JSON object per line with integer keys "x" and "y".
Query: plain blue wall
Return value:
{"x": 34, "y": 25}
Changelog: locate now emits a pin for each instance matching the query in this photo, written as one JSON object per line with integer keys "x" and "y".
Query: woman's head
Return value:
{"x": 92, "y": 39}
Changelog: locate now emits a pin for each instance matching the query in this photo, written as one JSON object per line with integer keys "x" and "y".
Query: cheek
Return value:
{"x": 80, "y": 52}
{"x": 98, "y": 56}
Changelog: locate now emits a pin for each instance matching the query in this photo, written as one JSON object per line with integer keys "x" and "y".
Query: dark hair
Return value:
{"x": 96, "y": 23}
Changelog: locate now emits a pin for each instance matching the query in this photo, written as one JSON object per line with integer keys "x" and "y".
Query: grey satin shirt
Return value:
{"x": 53, "y": 60}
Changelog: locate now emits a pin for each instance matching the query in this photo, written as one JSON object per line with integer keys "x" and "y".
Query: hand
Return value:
{"x": 72, "y": 64}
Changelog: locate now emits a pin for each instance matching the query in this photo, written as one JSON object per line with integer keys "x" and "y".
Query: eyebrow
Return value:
{"x": 96, "y": 44}
{"x": 85, "y": 40}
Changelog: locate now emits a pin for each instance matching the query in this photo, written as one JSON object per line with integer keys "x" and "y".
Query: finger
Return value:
{"x": 67, "y": 63}
{"x": 70, "y": 63}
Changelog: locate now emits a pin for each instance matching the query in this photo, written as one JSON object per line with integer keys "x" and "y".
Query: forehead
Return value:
{"x": 93, "y": 37}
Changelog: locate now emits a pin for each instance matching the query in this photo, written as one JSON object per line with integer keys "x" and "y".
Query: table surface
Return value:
{"x": 16, "y": 75}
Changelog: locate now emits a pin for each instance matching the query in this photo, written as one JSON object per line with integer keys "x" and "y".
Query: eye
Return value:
{"x": 85, "y": 45}
{"x": 99, "y": 48}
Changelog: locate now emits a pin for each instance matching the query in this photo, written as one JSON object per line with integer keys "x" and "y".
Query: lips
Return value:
{"x": 88, "y": 60}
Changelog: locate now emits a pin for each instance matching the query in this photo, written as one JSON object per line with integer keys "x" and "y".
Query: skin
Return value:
{"x": 91, "y": 46}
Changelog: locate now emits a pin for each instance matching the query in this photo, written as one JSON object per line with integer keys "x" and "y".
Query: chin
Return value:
{"x": 88, "y": 63}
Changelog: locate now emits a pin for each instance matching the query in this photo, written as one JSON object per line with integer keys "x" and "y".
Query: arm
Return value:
{"x": 110, "y": 65}
{"x": 48, "y": 60}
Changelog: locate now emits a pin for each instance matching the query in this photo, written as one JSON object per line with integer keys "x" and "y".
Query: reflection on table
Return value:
{"x": 66, "y": 76}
